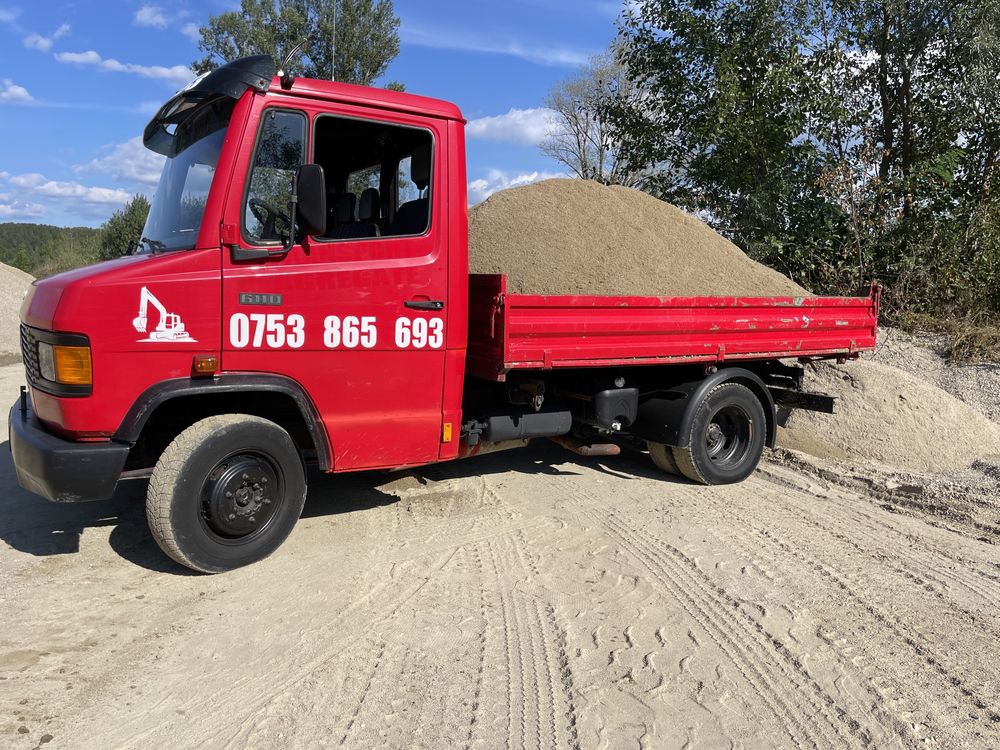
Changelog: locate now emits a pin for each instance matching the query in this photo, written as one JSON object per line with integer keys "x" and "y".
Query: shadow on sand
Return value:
{"x": 37, "y": 527}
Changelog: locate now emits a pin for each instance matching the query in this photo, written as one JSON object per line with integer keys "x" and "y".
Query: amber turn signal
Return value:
{"x": 206, "y": 365}
{"x": 73, "y": 365}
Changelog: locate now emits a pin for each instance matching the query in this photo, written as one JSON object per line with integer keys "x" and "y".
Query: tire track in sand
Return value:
{"x": 807, "y": 713}
{"x": 918, "y": 557}
{"x": 522, "y": 634}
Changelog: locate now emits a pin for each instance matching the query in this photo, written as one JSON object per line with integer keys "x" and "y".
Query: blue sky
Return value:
{"x": 80, "y": 80}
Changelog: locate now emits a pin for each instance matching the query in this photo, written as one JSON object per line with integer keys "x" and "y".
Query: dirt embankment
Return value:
{"x": 887, "y": 415}
{"x": 581, "y": 237}
{"x": 13, "y": 284}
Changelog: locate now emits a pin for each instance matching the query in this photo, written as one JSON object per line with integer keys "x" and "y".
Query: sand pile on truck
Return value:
{"x": 890, "y": 416}
{"x": 13, "y": 284}
{"x": 580, "y": 237}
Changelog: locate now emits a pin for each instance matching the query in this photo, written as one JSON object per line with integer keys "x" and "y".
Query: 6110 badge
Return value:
{"x": 277, "y": 331}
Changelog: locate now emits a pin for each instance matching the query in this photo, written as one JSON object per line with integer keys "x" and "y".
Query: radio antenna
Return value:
{"x": 286, "y": 77}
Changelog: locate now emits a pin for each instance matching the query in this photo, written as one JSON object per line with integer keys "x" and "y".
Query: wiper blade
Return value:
{"x": 153, "y": 245}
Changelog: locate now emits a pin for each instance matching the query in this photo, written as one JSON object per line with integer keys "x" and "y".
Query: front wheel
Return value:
{"x": 727, "y": 437}
{"x": 226, "y": 493}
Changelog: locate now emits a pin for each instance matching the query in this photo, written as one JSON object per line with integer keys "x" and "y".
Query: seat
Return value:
{"x": 340, "y": 213}
{"x": 370, "y": 211}
{"x": 411, "y": 218}
{"x": 366, "y": 227}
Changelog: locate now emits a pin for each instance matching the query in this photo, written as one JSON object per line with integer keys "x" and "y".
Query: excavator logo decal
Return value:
{"x": 170, "y": 326}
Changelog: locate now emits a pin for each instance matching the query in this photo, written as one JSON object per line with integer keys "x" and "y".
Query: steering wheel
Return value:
{"x": 268, "y": 216}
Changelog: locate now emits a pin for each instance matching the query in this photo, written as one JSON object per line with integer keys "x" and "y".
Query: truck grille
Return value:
{"x": 29, "y": 352}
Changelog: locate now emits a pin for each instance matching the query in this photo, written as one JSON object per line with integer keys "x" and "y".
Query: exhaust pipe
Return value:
{"x": 597, "y": 450}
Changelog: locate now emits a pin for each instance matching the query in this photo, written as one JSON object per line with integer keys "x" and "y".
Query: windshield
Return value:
{"x": 179, "y": 202}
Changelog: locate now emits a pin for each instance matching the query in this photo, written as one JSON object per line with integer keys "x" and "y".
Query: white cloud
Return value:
{"x": 496, "y": 180}
{"x": 177, "y": 74}
{"x": 11, "y": 93}
{"x": 525, "y": 127}
{"x": 9, "y": 15}
{"x": 44, "y": 43}
{"x": 12, "y": 208}
{"x": 39, "y": 42}
{"x": 127, "y": 162}
{"x": 39, "y": 186}
{"x": 192, "y": 31}
{"x": 466, "y": 41}
{"x": 152, "y": 16}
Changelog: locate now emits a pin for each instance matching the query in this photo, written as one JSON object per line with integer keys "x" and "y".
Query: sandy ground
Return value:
{"x": 523, "y": 600}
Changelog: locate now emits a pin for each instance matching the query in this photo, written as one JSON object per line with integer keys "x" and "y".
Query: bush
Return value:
{"x": 124, "y": 228}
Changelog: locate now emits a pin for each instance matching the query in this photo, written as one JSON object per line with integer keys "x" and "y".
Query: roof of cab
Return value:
{"x": 371, "y": 97}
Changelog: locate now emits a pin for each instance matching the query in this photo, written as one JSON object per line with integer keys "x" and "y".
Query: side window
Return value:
{"x": 281, "y": 148}
{"x": 378, "y": 175}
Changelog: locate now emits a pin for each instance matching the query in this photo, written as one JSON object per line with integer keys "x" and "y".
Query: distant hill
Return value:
{"x": 43, "y": 250}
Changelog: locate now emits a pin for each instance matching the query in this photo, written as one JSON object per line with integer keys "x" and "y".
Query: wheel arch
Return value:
{"x": 167, "y": 408}
{"x": 666, "y": 418}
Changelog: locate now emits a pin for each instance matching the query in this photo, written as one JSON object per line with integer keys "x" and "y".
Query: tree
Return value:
{"x": 367, "y": 36}
{"x": 581, "y": 137}
{"x": 124, "y": 228}
{"x": 837, "y": 140}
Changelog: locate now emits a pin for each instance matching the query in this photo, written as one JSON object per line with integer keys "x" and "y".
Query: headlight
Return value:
{"x": 46, "y": 362}
{"x": 66, "y": 365}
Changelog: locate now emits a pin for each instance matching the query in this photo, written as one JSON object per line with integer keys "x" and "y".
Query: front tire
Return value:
{"x": 727, "y": 437}
{"x": 226, "y": 493}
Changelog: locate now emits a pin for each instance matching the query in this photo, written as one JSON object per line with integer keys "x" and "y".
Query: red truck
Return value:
{"x": 301, "y": 296}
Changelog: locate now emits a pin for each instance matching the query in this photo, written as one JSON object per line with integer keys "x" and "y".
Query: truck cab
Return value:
{"x": 352, "y": 336}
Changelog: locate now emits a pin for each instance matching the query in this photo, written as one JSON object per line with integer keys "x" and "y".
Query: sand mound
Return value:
{"x": 581, "y": 237}
{"x": 887, "y": 415}
{"x": 13, "y": 284}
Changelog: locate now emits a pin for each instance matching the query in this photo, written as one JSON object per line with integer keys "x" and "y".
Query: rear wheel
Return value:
{"x": 727, "y": 437}
{"x": 663, "y": 457}
{"x": 226, "y": 493}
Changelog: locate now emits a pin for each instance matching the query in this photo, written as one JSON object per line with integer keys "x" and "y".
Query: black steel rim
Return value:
{"x": 241, "y": 498}
{"x": 728, "y": 437}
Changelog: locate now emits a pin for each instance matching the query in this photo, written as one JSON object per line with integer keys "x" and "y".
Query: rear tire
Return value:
{"x": 226, "y": 493}
{"x": 663, "y": 457}
{"x": 727, "y": 437}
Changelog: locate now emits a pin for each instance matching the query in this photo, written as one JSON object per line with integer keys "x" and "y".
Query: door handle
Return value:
{"x": 435, "y": 305}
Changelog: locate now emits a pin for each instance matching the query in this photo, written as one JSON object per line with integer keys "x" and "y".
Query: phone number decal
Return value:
{"x": 260, "y": 331}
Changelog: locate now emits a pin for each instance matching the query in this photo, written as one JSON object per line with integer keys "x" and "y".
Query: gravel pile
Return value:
{"x": 581, "y": 237}
{"x": 924, "y": 355}
{"x": 13, "y": 284}
{"x": 890, "y": 416}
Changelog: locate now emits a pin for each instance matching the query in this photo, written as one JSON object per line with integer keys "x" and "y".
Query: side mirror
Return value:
{"x": 310, "y": 187}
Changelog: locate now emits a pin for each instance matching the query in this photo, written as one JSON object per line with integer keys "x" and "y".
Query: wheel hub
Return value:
{"x": 728, "y": 436}
{"x": 239, "y": 496}
{"x": 716, "y": 439}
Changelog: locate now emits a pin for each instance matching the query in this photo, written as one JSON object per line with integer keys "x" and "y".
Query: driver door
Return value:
{"x": 328, "y": 314}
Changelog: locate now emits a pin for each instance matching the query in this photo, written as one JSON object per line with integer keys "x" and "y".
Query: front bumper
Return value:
{"x": 62, "y": 470}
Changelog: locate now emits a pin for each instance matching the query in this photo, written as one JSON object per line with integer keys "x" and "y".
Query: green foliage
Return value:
{"x": 124, "y": 228}
{"x": 45, "y": 250}
{"x": 367, "y": 36}
{"x": 837, "y": 140}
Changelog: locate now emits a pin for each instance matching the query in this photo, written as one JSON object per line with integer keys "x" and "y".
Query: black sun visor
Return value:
{"x": 207, "y": 98}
